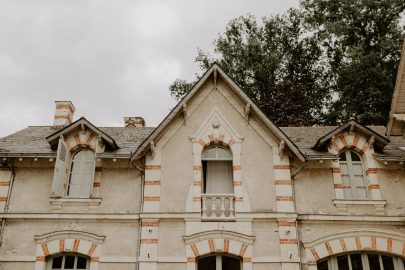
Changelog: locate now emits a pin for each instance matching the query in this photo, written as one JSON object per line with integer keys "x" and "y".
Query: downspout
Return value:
{"x": 6, "y": 206}
{"x": 142, "y": 170}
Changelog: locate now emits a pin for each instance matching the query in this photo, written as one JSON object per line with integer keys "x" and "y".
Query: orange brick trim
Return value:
{"x": 197, "y": 168}
{"x": 61, "y": 245}
{"x": 358, "y": 243}
{"x": 338, "y": 185}
{"x": 96, "y": 184}
{"x": 389, "y": 245}
{"x": 197, "y": 198}
{"x": 374, "y": 186}
{"x": 221, "y": 137}
{"x": 3, "y": 199}
{"x": 211, "y": 138}
{"x": 64, "y": 106}
{"x": 91, "y": 250}
{"x": 238, "y": 199}
{"x": 197, "y": 183}
{"x": 315, "y": 254}
{"x": 288, "y": 241}
{"x": 237, "y": 168}
{"x": 76, "y": 245}
{"x": 335, "y": 170}
{"x": 243, "y": 250}
{"x": 89, "y": 138}
{"x": 237, "y": 183}
{"x": 190, "y": 259}
{"x": 149, "y": 223}
{"x": 286, "y": 223}
{"x": 311, "y": 263}
{"x": 211, "y": 245}
{"x": 195, "y": 250}
{"x": 283, "y": 182}
{"x": 363, "y": 149}
{"x": 4, "y": 184}
{"x": 231, "y": 141}
{"x": 149, "y": 241}
{"x": 373, "y": 243}
{"x": 343, "y": 140}
{"x": 356, "y": 140}
{"x": 371, "y": 170}
{"x": 45, "y": 249}
{"x": 247, "y": 259}
{"x": 329, "y": 248}
{"x": 343, "y": 245}
{"x": 226, "y": 245}
{"x": 151, "y": 198}
{"x": 95, "y": 259}
{"x": 152, "y": 167}
{"x": 284, "y": 198}
{"x": 77, "y": 139}
{"x": 201, "y": 142}
{"x": 40, "y": 258}
{"x": 152, "y": 183}
{"x": 281, "y": 167}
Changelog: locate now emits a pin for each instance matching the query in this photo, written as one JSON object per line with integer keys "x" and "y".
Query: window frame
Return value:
{"x": 49, "y": 261}
{"x": 70, "y": 171}
{"x": 351, "y": 175}
{"x": 218, "y": 259}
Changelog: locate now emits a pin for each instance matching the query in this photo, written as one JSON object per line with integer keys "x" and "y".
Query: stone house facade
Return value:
{"x": 215, "y": 186}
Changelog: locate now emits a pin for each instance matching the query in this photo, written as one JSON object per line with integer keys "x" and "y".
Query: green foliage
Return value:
{"x": 325, "y": 63}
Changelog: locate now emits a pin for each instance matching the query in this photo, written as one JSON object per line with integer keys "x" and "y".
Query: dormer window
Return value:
{"x": 352, "y": 173}
{"x": 81, "y": 174}
{"x": 217, "y": 170}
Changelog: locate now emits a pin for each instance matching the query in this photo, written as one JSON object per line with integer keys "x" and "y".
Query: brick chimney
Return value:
{"x": 63, "y": 113}
{"x": 134, "y": 121}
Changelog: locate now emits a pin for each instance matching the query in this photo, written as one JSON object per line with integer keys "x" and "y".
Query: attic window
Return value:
{"x": 352, "y": 173}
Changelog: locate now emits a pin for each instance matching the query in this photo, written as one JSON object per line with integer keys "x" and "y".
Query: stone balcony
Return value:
{"x": 218, "y": 207}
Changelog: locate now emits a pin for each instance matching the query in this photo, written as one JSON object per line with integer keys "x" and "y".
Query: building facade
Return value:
{"x": 215, "y": 186}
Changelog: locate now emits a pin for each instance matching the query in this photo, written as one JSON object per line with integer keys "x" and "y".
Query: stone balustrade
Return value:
{"x": 218, "y": 207}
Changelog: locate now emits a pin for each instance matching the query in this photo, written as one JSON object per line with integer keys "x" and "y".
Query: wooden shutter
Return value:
{"x": 61, "y": 170}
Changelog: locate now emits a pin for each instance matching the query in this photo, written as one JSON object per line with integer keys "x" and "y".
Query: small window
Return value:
{"x": 68, "y": 261}
{"x": 81, "y": 174}
{"x": 352, "y": 173}
{"x": 217, "y": 170}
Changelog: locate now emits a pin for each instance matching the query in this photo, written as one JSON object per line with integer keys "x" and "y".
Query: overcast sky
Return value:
{"x": 110, "y": 58}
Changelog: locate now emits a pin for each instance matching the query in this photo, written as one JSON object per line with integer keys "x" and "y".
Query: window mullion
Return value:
{"x": 350, "y": 262}
{"x": 63, "y": 263}
{"x": 380, "y": 261}
{"x": 218, "y": 262}
{"x": 352, "y": 179}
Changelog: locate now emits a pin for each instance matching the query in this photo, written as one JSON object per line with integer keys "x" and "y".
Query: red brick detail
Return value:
{"x": 231, "y": 141}
{"x": 343, "y": 140}
{"x": 243, "y": 249}
{"x": 40, "y": 258}
{"x": 149, "y": 241}
{"x": 211, "y": 245}
{"x": 61, "y": 245}
{"x": 363, "y": 149}
{"x": 282, "y": 182}
{"x": 152, "y": 183}
{"x": 152, "y": 198}
{"x": 226, "y": 245}
{"x": 238, "y": 199}
{"x": 95, "y": 259}
{"x": 288, "y": 241}
{"x": 371, "y": 170}
{"x": 3, "y": 199}
{"x": 211, "y": 138}
{"x": 201, "y": 142}
{"x": 335, "y": 170}
{"x": 373, "y": 243}
{"x": 237, "y": 168}
{"x": 374, "y": 186}
{"x": 356, "y": 140}
{"x": 221, "y": 137}
{"x": 237, "y": 183}
{"x": 358, "y": 243}
{"x": 389, "y": 244}
{"x": 4, "y": 184}
{"x": 145, "y": 223}
{"x": 77, "y": 139}
{"x": 152, "y": 167}
{"x": 315, "y": 254}
{"x": 76, "y": 245}
{"x": 247, "y": 259}
{"x": 91, "y": 250}
{"x": 96, "y": 184}
{"x": 286, "y": 223}
{"x": 89, "y": 138}
{"x": 197, "y": 198}
{"x": 338, "y": 185}
{"x": 329, "y": 248}
{"x": 64, "y": 106}
{"x": 45, "y": 249}
{"x": 284, "y": 198}
{"x": 197, "y": 183}
{"x": 311, "y": 263}
{"x": 343, "y": 245}
{"x": 190, "y": 259}
{"x": 195, "y": 250}
{"x": 281, "y": 167}
{"x": 197, "y": 168}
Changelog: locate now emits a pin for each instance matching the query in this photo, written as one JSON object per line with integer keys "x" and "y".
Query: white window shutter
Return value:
{"x": 61, "y": 170}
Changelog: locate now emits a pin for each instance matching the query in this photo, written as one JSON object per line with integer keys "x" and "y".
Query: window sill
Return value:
{"x": 378, "y": 204}
{"x": 58, "y": 203}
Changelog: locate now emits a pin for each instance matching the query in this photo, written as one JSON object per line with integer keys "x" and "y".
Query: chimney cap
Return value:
{"x": 66, "y": 102}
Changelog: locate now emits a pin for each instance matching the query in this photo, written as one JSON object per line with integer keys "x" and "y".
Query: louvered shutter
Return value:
{"x": 61, "y": 170}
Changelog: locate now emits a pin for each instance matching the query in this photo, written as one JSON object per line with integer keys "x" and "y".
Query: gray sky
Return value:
{"x": 110, "y": 58}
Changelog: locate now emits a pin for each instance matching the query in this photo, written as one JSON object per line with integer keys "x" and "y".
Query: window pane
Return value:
{"x": 69, "y": 262}
{"x": 354, "y": 156}
{"x": 342, "y": 156}
{"x": 343, "y": 263}
{"x": 207, "y": 263}
{"x": 356, "y": 262}
{"x": 209, "y": 154}
{"x": 373, "y": 262}
{"x": 387, "y": 262}
{"x": 229, "y": 263}
{"x": 223, "y": 154}
{"x": 322, "y": 265}
{"x": 57, "y": 262}
{"x": 81, "y": 263}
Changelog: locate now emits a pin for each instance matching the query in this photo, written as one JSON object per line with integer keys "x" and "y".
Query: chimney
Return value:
{"x": 63, "y": 113}
{"x": 134, "y": 121}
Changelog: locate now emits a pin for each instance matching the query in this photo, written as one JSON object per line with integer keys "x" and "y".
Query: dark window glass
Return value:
{"x": 343, "y": 263}
{"x": 69, "y": 262}
{"x": 387, "y": 263}
{"x": 355, "y": 157}
{"x": 356, "y": 262}
{"x": 207, "y": 263}
{"x": 229, "y": 263}
{"x": 342, "y": 156}
{"x": 323, "y": 265}
{"x": 57, "y": 262}
{"x": 373, "y": 262}
{"x": 81, "y": 263}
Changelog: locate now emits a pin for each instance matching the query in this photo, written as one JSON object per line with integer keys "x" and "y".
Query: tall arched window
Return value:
{"x": 218, "y": 262}
{"x": 217, "y": 170}
{"x": 81, "y": 174}
{"x": 362, "y": 261}
{"x": 352, "y": 173}
{"x": 66, "y": 261}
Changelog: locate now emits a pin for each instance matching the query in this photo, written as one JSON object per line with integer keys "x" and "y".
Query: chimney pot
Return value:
{"x": 134, "y": 121}
{"x": 64, "y": 111}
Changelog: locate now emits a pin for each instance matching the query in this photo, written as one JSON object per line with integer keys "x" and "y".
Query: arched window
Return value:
{"x": 217, "y": 170}
{"x": 81, "y": 174}
{"x": 66, "y": 261}
{"x": 352, "y": 173}
{"x": 362, "y": 261}
{"x": 218, "y": 262}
